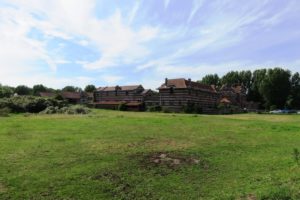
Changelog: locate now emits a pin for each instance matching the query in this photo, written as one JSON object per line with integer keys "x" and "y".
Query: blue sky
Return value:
{"x": 110, "y": 42}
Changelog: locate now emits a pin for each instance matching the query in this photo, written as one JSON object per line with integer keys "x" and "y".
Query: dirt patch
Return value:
{"x": 248, "y": 197}
{"x": 120, "y": 186}
{"x": 3, "y": 188}
{"x": 170, "y": 160}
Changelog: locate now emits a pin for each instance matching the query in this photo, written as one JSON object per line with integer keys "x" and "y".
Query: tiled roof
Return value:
{"x": 47, "y": 94}
{"x": 71, "y": 95}
{"x": 235, "y": 89}
{"x": 225, "y": 100}
{"x": 124, "y": 88}
{"x": 182, "y": 83}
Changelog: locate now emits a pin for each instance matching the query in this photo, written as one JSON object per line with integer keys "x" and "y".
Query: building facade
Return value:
{"x": 112, "y": 97}
{"x": 176, "y": 94}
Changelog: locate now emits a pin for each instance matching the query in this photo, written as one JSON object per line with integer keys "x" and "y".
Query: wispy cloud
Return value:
{"x": 142, "y": 40}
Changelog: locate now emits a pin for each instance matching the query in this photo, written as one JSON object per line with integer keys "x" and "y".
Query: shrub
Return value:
{"x": 122, "y": 107}
{"x": 198, "y": 109}
{"x": 72, "y": 110}
{"x": 31, "y": 104}
{"x": 273, "y": 107}
{"x": 154, "y": 109}
{"x": 189, "y": 108}
{"x": 4, "y": 112}
{"x": 166, "y": 110}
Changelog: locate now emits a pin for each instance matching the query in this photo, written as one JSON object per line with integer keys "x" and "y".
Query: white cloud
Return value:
{"x": 111, "y": 79}
{"x": 166, "y": 3}
{"x": 197, "y": 4}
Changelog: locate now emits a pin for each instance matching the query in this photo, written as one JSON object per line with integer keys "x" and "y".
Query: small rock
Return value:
{"x": 195, "y": 161}
{"x": 176, "y": 161}
{"x": 163, "y": 155}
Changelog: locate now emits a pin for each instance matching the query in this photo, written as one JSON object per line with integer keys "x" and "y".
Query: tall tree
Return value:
{"x": 38, "y": 88}
{"x": 23, "y": 90}
{"x": 231, "y": 78}
{"x": 245, "y": 78}
{"x": 254, "y": 94}
{"x": 295, "y": 92}
{"x": 6, "y": 91}
{"x": 71, "y": 89}
{"x": 211, "y": 79}
{"x": 90, "y": 88}
{"x": 275, "y": 87}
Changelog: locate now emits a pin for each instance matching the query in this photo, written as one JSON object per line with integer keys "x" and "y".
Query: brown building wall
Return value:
{"x": 177, "y": 99}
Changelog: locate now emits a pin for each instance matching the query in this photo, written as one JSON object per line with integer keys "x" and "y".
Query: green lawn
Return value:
{"x": 126, "y": 155}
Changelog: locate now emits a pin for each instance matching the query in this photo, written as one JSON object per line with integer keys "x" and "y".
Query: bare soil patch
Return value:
{"x": 3, "y": 188}
{"x": 170, "y": 160}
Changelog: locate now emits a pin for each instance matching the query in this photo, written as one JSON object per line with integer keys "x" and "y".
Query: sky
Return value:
{"x": 125, "y": 42}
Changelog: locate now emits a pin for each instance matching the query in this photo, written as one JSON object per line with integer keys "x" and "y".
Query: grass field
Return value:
{"x": 126, "y": 155}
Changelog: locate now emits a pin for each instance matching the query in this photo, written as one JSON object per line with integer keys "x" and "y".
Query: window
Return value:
{"x": 106, "y": 93}
{"x": 179, "y": 102}
{"x": 127, "y": 93}
{"x": 171, "y": 90}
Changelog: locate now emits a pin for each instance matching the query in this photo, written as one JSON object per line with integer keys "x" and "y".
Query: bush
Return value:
{"x": 273, "y": 107}
{"x": 189, "y": 108}
{"x": 154, "y": 109}
{"x": 4, "y": 112}
{"x": 31, "y": 104}
{"x": 122, "y": 107}
{"x": 72, "y": 110}
{"x": 166, "y": 110}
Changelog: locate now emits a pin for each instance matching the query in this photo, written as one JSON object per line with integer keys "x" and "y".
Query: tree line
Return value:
{"x": 275, "y": 88}
{"x": 8, "y": 91}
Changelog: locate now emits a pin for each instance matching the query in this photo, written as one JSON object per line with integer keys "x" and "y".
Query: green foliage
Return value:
{"x": 38, "y": 88}
{"x": 23, "y": 90}
{"x": 6, "y": 91}
{"x": 189, "y": 108}
{"x": 231, "y": 78}
{"x": 71, "y": 89}
{"x": 275, "y": 87}
{"x": 154, "y": 108}
{"x": 122, "y": 107}
{"x": 193, "y": 108}
{"x": 166, "y": 110}
{"x": 58, "y": 97}
{"x": 90, "y": 88}
{"x": 31, "y": 104}
{"x": 4, "y": 112}
{"x": 71, "y": 110}
{"x": 273, "y": 107}
{"x": 228, "y": 109}
{"x": 294, "y": 99}
{"x": 211, "y": 79}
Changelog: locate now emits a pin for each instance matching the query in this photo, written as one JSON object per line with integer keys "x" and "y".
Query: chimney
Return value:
{"x": 166, "y": 81}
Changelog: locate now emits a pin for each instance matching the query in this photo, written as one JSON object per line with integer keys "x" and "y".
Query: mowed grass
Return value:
{"x": 115, "y": 155}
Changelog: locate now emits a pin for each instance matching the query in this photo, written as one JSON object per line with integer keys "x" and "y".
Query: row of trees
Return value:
{"x": 272, "y": 88}
{"x": 7, "y": 91}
